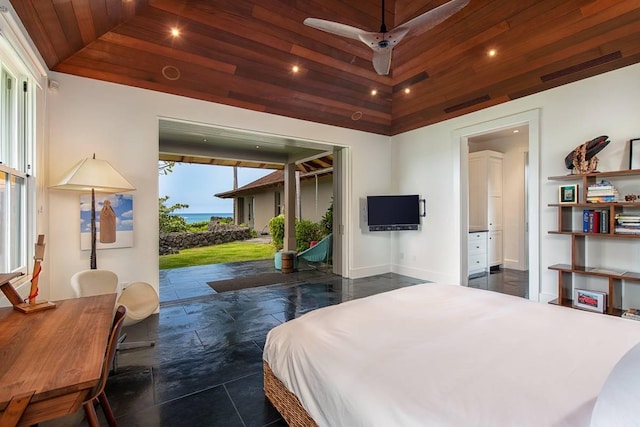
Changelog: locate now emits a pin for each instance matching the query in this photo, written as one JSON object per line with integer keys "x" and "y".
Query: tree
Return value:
{"x": 165, "y": 168}
{"x": 171, "y": 223}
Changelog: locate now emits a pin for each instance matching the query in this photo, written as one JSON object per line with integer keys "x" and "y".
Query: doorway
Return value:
{"x": 522, "y": 250}
{"x": 183, "y": 141}
{"x": 501, "y": 209}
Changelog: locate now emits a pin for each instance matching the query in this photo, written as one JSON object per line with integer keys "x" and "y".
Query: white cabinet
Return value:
{"x": 495, "y": 247}
{"x": 485, "y": 199}
{"x": 477, "y": 246}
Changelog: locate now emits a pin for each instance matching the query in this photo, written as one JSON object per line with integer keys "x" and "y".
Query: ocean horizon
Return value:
{"x": 191, "y": 218}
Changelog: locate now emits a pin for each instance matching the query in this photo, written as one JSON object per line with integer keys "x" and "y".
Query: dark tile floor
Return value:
{"x": 206, "y": 366}
{"x": 506, "y": 281}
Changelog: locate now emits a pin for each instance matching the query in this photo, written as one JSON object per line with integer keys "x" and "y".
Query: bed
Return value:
{"x": 443, "y": 355}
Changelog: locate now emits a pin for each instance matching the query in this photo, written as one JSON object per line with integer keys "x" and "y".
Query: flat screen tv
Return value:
{"x": 398, "y": 212}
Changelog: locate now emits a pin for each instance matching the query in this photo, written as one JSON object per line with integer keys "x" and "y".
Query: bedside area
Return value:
{"x": 477, "y": 259}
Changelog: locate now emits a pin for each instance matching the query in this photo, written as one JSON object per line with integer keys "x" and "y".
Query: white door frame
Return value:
{"x": 461, "y": 177}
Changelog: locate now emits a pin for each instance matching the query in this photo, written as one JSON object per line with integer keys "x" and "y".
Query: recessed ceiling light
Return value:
{"x": 516, "y": 131}
{"x": 492, "y": 52}
{"x": 374, "y": 92}
{"x": 204, "y": 140}
{"x": 295, "y": 68}
{"x": 175, "y": 32}
{"x": 257, "y": 146}
{"x": 407, "y": 90}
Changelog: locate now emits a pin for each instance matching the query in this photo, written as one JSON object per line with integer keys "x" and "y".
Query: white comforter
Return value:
{"x": 445, "y": 355}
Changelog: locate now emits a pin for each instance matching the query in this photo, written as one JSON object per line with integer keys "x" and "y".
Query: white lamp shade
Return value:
{"x": 94, "y": 174}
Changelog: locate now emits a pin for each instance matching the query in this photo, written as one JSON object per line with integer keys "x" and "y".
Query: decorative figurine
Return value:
{"x": 581, "y": 157}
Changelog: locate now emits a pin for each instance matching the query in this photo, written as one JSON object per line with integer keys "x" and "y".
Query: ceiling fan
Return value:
{"x": 383, "y": 42}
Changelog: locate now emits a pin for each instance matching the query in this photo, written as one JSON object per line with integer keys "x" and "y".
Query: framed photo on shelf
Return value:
{"x": 634, "y": 153}
{"x": 568, "y": 194}
{"x": 590, "y": 300}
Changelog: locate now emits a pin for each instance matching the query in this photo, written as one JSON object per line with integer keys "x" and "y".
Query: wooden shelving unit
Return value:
{"x": 579, "y": 238}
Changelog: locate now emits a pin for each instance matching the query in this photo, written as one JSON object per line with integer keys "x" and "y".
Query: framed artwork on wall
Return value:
{"x": 634, "y": 153}
{"x": 114, "y": 221}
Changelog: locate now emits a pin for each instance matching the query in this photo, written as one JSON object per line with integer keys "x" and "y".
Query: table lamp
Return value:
{"x": 96, "y": 176}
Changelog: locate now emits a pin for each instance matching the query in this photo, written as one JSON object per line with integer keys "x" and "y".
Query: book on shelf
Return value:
{"x": 595, "y": 221}
{"x": 602, "y": 192}
{"x": 602, "y": 199}
{"x": 627, "y": 218}
{"x": 626, "y": 230}
{"x": 604, "y": 221}
{"x": 603, "y": 183}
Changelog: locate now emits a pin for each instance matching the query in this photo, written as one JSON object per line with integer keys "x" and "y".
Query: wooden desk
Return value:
{"x": 57, "y": 354}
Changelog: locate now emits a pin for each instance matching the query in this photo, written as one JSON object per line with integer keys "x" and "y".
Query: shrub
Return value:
{"x": 306, "y": 231}
{"x": 326, "y": 223}
{"x": 276, "y": 228}
{"x": 225, "y": 220}
{"x": 198, "y": 226}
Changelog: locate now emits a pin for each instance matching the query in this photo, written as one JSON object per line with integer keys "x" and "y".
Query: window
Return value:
{"x": 16, "y": 148}
{"x": 277, "y": 204}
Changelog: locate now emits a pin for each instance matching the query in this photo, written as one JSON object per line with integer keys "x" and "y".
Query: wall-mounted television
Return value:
{"x": 398, "y": 212}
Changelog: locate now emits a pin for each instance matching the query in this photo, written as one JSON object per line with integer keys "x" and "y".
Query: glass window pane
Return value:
{"x": 16, "y": 222}
{"x": 3, "y": 240}
{"x": 8, "y": 120}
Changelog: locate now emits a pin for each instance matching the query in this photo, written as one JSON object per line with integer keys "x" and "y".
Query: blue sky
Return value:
{"x": 195, "y": 185}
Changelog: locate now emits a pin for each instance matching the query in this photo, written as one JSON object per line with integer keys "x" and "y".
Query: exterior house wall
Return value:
{"x": 264, "y": 209}
{"x": 312, "y": 208}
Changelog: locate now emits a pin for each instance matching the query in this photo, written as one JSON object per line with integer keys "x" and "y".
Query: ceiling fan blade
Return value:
{"x": 382, "y": 60}
{"x": 430, "y": 19}
{"x": 335, "y": 28}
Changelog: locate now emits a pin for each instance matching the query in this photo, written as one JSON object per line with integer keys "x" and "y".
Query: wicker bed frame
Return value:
{"x": 284, "y": 401}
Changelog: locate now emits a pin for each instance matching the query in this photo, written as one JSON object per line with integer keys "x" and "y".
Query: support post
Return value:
{"x": 289, "y": 243}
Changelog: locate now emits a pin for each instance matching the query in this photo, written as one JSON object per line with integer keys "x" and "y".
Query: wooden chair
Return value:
{"x": 98, "y": 394}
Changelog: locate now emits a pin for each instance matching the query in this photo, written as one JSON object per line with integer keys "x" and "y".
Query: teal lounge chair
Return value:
{"x": 321, "y": 252}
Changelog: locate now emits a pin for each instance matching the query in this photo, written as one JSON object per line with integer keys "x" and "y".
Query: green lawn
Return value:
{"x": 218, "y": 254}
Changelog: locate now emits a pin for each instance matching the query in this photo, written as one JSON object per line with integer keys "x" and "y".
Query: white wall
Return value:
{"x": 426, "y": 161}
{"x": 120, "y": 124}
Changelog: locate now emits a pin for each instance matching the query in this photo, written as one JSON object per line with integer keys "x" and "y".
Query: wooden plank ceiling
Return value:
{"x": 241, "y": 53}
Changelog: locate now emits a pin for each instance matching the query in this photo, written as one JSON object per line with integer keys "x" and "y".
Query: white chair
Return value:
{"x": 141, "y": 301}
{"x": 89, "y": 283}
